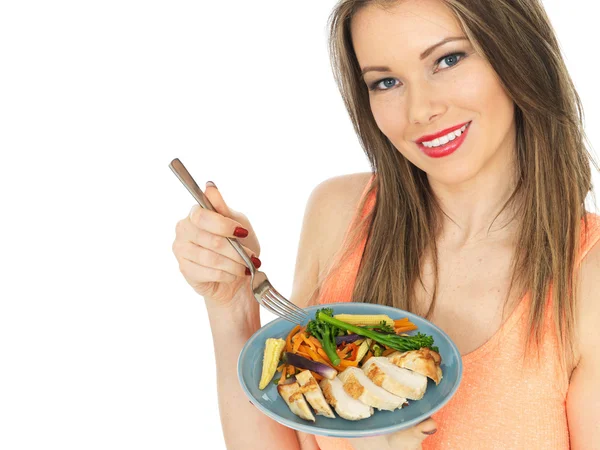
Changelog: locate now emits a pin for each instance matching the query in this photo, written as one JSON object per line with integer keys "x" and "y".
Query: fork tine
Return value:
{"x": 287, "y": 303}
{"x": 282, "y": 312}
{"x": 264, "y": 301}
{"x": 275, "y": 303}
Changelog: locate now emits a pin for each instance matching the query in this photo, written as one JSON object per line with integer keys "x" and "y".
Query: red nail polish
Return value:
{"x": 257, "y": 263}
{"x": 247, "y": 271}
{"x": 240, "y": 232}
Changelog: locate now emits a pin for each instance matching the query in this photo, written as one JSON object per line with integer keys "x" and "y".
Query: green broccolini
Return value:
{"x": 397, "y": 342}
{"x": 326, "y": 333}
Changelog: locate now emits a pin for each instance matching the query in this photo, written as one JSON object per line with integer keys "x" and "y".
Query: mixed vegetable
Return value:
{"x": 329, "y": 344}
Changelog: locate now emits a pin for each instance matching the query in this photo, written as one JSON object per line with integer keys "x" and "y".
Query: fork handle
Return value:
{"x": 186, "y": 179}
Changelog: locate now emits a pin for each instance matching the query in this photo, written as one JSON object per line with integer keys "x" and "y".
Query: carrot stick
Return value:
{"x": 280, "y": 368}
{"x": 315, "y": 341}
{"x": 297, "y": 341}
{"x": 288, "y": 341}
{"x": 320, "y": 358}
{"x": 303, "y": 348}
{"x": 348, "y": 363}
{"x": 283, "y": 373}
{"x": 405, "y": 328}
{"x": 308, "y": 342}
{"x": 388, "y": 352}
{"x": 317, "y": 376}
{"x": 321, "y": 352}
{"x": 401, "y": 322}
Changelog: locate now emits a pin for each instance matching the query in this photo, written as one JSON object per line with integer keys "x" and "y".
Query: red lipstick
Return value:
{"x": 444, "y": 149}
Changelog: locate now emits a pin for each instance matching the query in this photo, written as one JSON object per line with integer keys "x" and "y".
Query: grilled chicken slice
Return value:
{"x": 360, "y": 387}
{"x": 398, "y": 381}
{"x": 347, "y": 407}
{"x": 292, "y": 395}
{"x": 313, "y": 394}
{"x": 424, "y": 361}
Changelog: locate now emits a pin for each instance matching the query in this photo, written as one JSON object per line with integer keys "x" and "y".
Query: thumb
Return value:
{"x": 411, "y": 438}
{"x": 216, "y": 199}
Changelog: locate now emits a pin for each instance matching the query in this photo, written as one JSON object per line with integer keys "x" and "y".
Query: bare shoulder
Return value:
{"x": 329, "y": 210}
{"x": 338, "y": 198}
{"x": 588, "y": 301}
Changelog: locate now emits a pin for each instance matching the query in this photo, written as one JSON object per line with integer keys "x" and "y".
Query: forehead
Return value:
{"x": 402, "y": 31}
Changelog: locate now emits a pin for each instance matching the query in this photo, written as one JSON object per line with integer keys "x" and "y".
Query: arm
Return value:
{"x": 243, "y": 424}
{"x": 583, "y": 399}
{"x": 327, "y": 214}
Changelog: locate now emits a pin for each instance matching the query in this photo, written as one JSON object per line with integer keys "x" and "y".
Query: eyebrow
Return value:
{"x": 423, "y": 55}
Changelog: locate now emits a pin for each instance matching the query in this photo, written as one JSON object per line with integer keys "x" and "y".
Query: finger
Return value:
{"x": 413, "y": 437}
{"x": 196, "y": 274}
{"x": 207, "y": 258}
{"x": 216, "y": 223}
{"x": 215, "y": 197}
{"x": 186, "y": 231}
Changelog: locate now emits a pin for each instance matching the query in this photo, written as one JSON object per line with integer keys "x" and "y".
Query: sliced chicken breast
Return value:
{"x": 424, "y": 361}
{"x": 313, "y": 394}
{"x": 398, "y": 381}
{"x": 359, "y": 386}
{"x": 347, "y": 407}
{"x": 292, "y": 395}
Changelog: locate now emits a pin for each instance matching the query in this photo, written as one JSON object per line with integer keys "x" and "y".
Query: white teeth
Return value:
{"x": 445, "y": 139}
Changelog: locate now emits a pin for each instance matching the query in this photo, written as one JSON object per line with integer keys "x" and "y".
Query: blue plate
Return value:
{"x": 381, "y": 422}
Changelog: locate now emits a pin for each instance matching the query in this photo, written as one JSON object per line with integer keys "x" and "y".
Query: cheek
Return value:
{"x": 481, "y": 90}
{"x": 389, "y": 116}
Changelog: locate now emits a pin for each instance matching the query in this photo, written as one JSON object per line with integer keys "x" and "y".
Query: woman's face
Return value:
{"x": 421, "y": 90}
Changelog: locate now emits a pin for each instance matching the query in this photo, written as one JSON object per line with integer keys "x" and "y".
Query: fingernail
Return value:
{"x": 211, "y": 184}
{"x": 256, "y": 261}
{"x": 429, "y": 433}
{"x": 247, "y": 271}
{"x": 240, "y": 232}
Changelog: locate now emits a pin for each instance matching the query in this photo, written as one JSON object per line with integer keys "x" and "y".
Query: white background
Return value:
{"x": 102, "y": 343}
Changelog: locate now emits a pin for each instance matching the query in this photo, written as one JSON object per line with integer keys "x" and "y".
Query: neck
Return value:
{"x": 474, "y": 210}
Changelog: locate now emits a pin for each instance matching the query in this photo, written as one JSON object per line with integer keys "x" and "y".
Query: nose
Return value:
{"x": 424, "y": 103}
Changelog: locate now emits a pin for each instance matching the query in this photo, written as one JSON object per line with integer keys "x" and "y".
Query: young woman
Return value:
{"x": 473, "y": 216}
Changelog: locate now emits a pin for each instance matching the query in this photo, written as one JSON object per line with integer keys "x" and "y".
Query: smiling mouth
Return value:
{"x": 445, "y": 142}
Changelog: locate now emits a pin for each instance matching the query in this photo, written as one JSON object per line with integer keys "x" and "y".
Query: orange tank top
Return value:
{"x": 501, "y": 403}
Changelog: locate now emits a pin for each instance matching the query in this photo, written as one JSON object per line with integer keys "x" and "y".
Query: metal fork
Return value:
{"x": 264, "y": 292}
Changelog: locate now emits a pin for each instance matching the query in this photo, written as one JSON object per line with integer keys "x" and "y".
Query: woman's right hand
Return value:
{"x": 206, "y": 259}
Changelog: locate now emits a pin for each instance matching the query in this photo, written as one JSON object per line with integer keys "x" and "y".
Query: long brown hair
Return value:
{"x": 553, "y": 165}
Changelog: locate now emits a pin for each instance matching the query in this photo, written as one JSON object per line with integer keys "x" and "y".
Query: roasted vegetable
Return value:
{"x": 303, "y": 363}
{"x": 365, "y": 319}
{"x": 400, "y": 343}
{"x": 273, "y": 349}
{"x": 326, "y": 332}
{"x": 381, "y": 328}
{"x": 347, "y": 338}
{"x": 363, "y": 349}
{"x": 377, "y": 350}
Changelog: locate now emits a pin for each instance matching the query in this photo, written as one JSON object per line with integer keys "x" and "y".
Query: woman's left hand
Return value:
{"x": 409, "y": 439}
